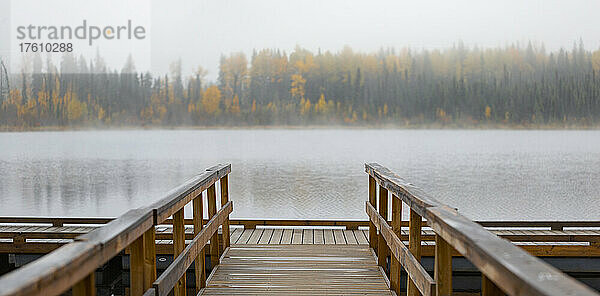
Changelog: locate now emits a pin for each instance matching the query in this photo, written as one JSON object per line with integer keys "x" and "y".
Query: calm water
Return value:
{"x": 304, "y": 173}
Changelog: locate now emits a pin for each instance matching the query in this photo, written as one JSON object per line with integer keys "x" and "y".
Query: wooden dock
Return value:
{"x": 297, "y": 270}
{"x": 381, "y": 256}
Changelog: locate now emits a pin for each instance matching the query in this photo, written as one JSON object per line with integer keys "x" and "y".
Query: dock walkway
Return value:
{"x": 297, "y": 270}
{"x": 384, "y": 255}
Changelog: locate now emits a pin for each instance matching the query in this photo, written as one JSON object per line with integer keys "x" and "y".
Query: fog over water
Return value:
{"x": 302, "y": 174}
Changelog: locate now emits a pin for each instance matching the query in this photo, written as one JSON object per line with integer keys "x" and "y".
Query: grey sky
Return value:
{"x": 198, "y": 32}
{"x": 216, "y": 27}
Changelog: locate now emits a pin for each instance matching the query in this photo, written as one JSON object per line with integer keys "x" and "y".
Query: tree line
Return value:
{"x": 457, "y": 86}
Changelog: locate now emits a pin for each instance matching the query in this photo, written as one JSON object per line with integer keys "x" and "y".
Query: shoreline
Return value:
{"x": 6, "y": 129}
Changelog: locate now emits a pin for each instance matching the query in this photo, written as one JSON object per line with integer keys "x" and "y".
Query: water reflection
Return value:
{"x": 316, "y": 174}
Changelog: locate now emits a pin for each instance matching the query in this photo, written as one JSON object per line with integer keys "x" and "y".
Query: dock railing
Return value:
{"x": 72, "y": 266}
{"x": 505, "y": 268}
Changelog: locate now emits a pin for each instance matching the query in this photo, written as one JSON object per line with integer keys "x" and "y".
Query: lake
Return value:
{"x": 304, "y": 173}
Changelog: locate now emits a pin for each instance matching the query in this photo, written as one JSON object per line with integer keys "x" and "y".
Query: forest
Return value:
{"x": 460, "y": 86}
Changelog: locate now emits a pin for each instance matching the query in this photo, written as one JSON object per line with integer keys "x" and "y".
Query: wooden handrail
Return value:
{"x": 422, "y": 279}
{"x": 181, "y": 195}
{"x": 74, "y": 264}
{"x": 411, "y": 195}
{"x": 503, "y": 265}
{"x": 165, "y": 283}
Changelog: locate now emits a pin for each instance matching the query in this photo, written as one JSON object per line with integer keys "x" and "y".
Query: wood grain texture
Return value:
{"x": 171, "y": 276}
{"x": 489, "y": 288}
{"x": 212, "y": 211}
{"x": 178, "y": 246}
{"x": 414, "y": 246}
{"x": 199, "y": 263}
{"x": 397, "y": 229}
{"x": 422, "y": 280}
{"x": 382, "y": 248}
{"x": 443, "y": 267}
{"x": 181, "y": 195}
{"x": 297, "y": 270}
{"x": 373, "y": 201}
{"x": 518, "y": 272}
{"x": 224, "y": 184}
{"x": 136, "y": 267}
{"x": 85, "y": 287}
{"x": 149, "y": 258}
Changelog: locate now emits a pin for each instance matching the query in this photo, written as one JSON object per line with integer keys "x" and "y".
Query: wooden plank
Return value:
{"x": 136, "y": 267}
{"x": 297, "y": 237}
{"x": 276, "y": 236}
{"x": 85, "y": 287}
{"x": 350, "y": 239}
{"x": 245, "y": 236}
{"x": 120, "y": 233}
{"x": 224, "y": 199}
{"x": 338, "y": 235}
{"x": 176, "y": 270}
{"x": 290, "y": 270}
{"x": 265, "y": 238}
{"x": 57, "y": 221}
{"x": 489, "y": 288}
{"x": 235, "y": 235}
{"x": 178, "y": 246}
{"x": 382, "y": 249}
{"x": 443, "y": 267}
{"x": 413, "y": 196}
{"x": 255, "y": 236}
{"x": 366, "y": 234}
{"x": 308, "y": 237}
{"x": 414, "y": 246}
{"x": 397, "y": 229}
{"x": 500, "y": 260}
{"x": 422, "y": 280}
{"x": 318, "y": 237}
{"x": 199, "y": 262}
{"x": 214, "y": 240}
{"x": 328, "y": 235}
{"x": 75, "y": 261}
{"x": 181, "y": 195}
{"x": 286, "y": 237}
{"x": 373, "y": 201}
{"x": 178, "y": 197}
{"x": 252, "y": 223}
{"x": 149, "y": 239}
{"x": 360, "y": 237}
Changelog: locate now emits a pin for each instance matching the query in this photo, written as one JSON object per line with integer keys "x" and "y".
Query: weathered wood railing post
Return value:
{"x": 443, "y": 267}
{"x": 382, "y": 247}
{"x": 85, "y": 287}
{"x": 373, "y": 202}
{"x": 178, "y": 246}
{"x": 198, "y": 223}
{"x": 224, "y": 200}
{"x": 214, "y": 240}
{"x": 414, "y": 245}
{"x": 149, "y": 257}
{"x": 136, "y": 267}
{"x": 397, "y": 228}
{"x": 489, "y": 288}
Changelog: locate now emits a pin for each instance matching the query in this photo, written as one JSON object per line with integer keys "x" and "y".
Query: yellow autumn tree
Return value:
{"x": 596, "y": 60}
{"x": 297, "y": 87}
{"x": 76, "y": 110}
{"x": 211, "y": 100}
{"x": 488, "y": 112}
{"x": 235, "y": 106}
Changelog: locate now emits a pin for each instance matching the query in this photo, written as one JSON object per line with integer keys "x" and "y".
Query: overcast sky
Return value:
{"x": 198, "y": 32}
